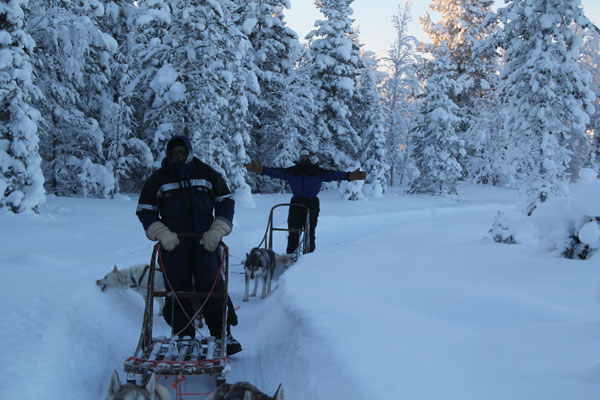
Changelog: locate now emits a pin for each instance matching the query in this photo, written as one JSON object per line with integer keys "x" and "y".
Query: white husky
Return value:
{"x": 128, "y": 391}
{"x": 135, "y": 278}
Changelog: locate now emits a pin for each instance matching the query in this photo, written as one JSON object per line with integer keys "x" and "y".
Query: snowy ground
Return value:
{"x": 405, "y": 298}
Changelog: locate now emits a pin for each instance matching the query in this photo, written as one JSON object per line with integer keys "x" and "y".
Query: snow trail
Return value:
{"x": 404, "y": 296}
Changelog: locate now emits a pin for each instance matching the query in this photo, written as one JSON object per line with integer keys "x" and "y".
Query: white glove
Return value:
{"x": 211, "y": 238}
{"x": 159, "y": 231}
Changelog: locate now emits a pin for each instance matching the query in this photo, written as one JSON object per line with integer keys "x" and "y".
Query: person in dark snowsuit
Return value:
{"x": 180, "y": 197}
{"x": 305, "y": 179}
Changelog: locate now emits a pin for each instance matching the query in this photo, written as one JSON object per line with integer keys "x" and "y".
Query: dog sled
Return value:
{"x": 303, "y": 244}
{"x": 179, "y": 357}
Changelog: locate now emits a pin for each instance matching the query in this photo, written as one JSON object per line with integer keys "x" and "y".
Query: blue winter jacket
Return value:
{"x": 305, "y": 181}
{"x": 184, "y": 195}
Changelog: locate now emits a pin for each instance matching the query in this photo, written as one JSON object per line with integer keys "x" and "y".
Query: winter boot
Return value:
{"x": 233, "y": 346}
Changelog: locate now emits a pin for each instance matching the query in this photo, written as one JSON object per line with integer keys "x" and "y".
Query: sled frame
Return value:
{"x": 180, "y": 356}
{"x": 303, "y": 243}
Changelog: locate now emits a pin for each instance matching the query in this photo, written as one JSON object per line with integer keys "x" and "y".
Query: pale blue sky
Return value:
{"x": 374, "y": 18}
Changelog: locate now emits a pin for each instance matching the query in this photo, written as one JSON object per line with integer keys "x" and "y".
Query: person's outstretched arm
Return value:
{"x": 277, "y": 173}
{"x": 330, "y": 176}
{"x": 356, "y": 175}
{"x": 254, "y": 167}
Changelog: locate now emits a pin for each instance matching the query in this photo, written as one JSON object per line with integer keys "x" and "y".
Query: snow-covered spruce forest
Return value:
{"x": 91, "y": 90}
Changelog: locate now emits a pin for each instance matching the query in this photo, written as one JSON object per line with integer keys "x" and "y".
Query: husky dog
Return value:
{"x": 262, "y": 262}
{"x": 243, "y": 391}
{"x": 135, "y": 278}
{"x": 150, "y": 391}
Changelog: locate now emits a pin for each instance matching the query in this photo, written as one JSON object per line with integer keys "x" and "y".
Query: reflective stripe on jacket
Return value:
{"x": 185, "y": 204}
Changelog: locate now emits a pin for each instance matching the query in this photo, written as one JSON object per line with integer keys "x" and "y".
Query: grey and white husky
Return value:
{"x": 128, "y": 391}
{"x": 261, "y": 263}
{"x": 135, "y": 278}
{"x": 243, "y": 391}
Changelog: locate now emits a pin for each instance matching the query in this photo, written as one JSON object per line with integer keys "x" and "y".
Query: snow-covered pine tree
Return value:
{"x": 436, "y": 145}
{"x": 486, "y": 139}
{"x": 547, "y": 94}
{"x": 244, "y": 19}
{"x": 301, "y": 92}
{"x": 96, "y": 177}
{"x": 273, "y": 57}
{"x": 589, "y": 60}
{"x": 243, "y": 15}
{"x": 21, "y": 178}
{"x": 336, "y": 66}
{"x": 71, "y": 57}
{"x": 235, "y": 119}
{"x": 370, "y": 119}
{"x": 128, "y": 156}
{"x": 460, "y": 28}
{"x": 399, "y": 92}
{"x": 487, "y": 142}
{"x": 192, "y": 77}
{"x": 149, "y": 46}
{"x": 293, "y": 130}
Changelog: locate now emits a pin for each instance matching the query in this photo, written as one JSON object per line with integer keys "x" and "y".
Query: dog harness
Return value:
{"x": 138, "y": 283}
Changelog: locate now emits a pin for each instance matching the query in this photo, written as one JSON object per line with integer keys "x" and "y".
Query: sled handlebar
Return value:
{"x": 196, "y": 235}
{"x": 189, "y": 234}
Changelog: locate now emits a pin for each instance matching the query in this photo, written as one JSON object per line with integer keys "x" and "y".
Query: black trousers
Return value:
{"x": 191, "y": 268}
{"x": 178, "y": 319}
{"x": 297, "y": 220}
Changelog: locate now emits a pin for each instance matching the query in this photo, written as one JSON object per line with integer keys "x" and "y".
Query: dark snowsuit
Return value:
{"x": 305, "y": 182}
{"x": 183, "y": 196}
